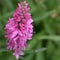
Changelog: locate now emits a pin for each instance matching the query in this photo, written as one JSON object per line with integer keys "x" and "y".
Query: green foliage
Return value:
{"x": 45, "y": 44}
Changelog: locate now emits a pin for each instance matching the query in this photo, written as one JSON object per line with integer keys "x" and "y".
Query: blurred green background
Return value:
{"x": 45, "y": 44}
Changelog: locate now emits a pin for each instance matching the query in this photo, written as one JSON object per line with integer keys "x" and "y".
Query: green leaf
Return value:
{"x": 50, "y": 50}
{"x": 44, "y": 16}
{"x": 29, "y": 57}
{"x": 39, "y": 54}
{"x": 49, "y": 29}
{"x": 51, "y": 4}
{"x": 56, "y": 55}
{"x": 54, "y": 38}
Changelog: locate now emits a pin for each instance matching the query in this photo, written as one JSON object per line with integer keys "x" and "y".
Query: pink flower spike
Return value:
{"x": 19, "y": 29}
